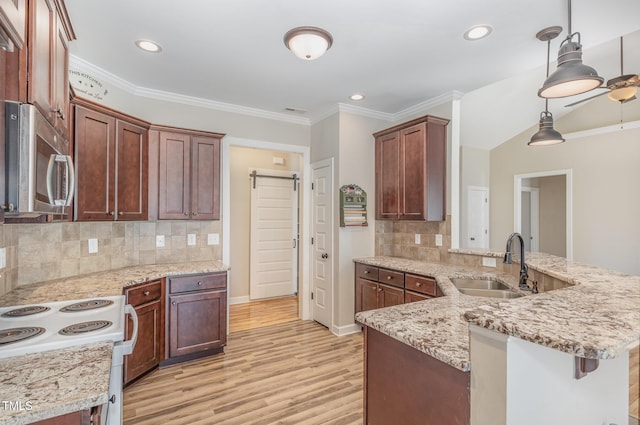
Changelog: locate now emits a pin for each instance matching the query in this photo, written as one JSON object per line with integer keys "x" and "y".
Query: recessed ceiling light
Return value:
{"x": 149, "y": 46}
{"x": 356, "y": 96}
{"x": 477, "y": 32}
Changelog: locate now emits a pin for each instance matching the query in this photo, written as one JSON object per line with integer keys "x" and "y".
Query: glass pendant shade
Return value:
{"x": 546, "y": 135}
{"x": 572, "y": 76}
{"x": 308, "y": 43}
{"x": 623, "y": 94}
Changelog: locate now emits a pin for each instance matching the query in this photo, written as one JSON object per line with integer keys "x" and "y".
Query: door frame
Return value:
{"x": 318, "y": 164}
{"x": 517, "y": 204}
{"x": 304, "y": 304}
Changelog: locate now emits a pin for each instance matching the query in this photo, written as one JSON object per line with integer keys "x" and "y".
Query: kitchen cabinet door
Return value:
{"x": 389, "y": 295}
{"x": 366, "y": 295}
{"x": 174, "y": 176}
{"x": 387, "y": 176}
{"x": 132, "y": 171}
{"x": 147, "y": 352}
{"x": 197, "y": 322}
{"x": 412, "y": 181}
{"x": 95, "y": 138}
{"x": 412, "y": 297}
{"x": 48, "y": 65}
{"x": 205, "y": 178}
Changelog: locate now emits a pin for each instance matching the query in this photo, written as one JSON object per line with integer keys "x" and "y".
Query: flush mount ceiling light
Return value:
{"x": 546, "y": 135}
{"x": 356, "y": 96}
{"x": 149, "y": 46}
{"x": 308, "y": 43}
{"x": 477, "y": 32}
{"x": 572, "y": 76}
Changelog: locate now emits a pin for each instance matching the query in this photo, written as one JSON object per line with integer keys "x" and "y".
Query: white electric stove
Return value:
{"x": 50, "y": 326}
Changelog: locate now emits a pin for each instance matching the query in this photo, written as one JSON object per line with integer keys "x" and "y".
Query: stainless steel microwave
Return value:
{"x": 40, "y": 175}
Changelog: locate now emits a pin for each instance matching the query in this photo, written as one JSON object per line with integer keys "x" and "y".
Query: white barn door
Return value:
{"x": 274, "y": 236}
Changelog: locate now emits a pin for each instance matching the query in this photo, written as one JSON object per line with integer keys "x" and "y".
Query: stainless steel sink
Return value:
{"x": 491, "y": 293}
{"x": 484, "y": 288}
{"x": 479, "y": 284}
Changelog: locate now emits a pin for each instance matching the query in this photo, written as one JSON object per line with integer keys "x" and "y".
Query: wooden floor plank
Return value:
{"x": 262, "y": 313}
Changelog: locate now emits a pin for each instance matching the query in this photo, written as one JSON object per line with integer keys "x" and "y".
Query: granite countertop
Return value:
{"x": 102, "y": 284}
{"x": 64, "y": 381}
{"x": 57, "y": 382}
{"x": 598, "y": 317}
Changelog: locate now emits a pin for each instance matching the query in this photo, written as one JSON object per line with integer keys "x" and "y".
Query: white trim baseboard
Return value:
{"x": 239, "y": 300}
{"x": 346, "y": 330}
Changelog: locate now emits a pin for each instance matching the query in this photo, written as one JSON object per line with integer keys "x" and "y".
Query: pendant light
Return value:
{"x": 308, "y": 43}
{"x": 572, "y": 76}
{"x": 546, "y": 134}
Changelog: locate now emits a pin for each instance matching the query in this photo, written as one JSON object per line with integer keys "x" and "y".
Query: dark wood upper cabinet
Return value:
{"x": 411, "y": 170}
{"x": 111, "y": 165}
{"x": 48, "y": 61}
{"x": 188, "y": 174}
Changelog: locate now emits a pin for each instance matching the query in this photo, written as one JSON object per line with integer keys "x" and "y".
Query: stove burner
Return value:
{"x": 9, "y": 336}
{"x": 86, "y": 305}
{"x": 25, "y": 311}
{"x": 84, "y": 327}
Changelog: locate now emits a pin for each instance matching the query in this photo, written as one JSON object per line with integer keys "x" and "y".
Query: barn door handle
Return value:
{"x": 294, "y": 243}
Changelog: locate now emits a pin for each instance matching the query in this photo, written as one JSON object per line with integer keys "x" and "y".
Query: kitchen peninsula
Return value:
{"x": 595, "y": 318}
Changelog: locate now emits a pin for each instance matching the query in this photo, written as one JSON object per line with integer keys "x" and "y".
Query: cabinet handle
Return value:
{"x": 186, "y": 213}
{"x": 418, "y": 284}
{"x": 120, "y": 213}
{"x": 173, "y": 303}
{"x": 389, "y": 277}
{"x": 194, "y": 213}
{"x": 199, "y": 283}
{"x": 366, "y": 272}
{"x": 111, "y": 212}
{"x": 146, "y": 293}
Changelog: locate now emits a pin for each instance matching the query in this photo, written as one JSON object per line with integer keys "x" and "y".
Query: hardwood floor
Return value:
{"x": 290, "y": 373}
{"x": 262, "y": 313}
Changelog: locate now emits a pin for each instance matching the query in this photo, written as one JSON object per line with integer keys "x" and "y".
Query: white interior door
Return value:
{"x": 274, "y": 237}
{"x": 478, "y": 217}
{"x": 322, "y": 252}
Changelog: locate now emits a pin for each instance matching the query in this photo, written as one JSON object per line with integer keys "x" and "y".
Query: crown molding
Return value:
{"x": 134, "y": 90}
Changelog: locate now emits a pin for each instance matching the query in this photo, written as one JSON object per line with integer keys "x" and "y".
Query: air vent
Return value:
{"x": 294, "y": 110}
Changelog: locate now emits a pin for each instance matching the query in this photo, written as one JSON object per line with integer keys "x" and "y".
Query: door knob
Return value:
{"x": 325, "y": 255}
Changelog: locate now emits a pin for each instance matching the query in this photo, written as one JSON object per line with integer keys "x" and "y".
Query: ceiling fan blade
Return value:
{"x": 588, "y": 98}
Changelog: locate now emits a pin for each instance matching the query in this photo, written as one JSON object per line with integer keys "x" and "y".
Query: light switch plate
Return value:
{"x": 417, "y": 238}
{"x": 93, "y": 246}
{"x": 488, "y": 261}
{"x": 213, "y": 239}
{"x": 438, "y": 240}
{"x": 159, "y": 241}
{"x": 3, "y": 258}
{"x": 191, "y": 239}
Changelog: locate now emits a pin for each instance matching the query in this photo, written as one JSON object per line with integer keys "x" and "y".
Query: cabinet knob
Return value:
{"x": 199, "y": 283}
{"x": 186, "y": 213}
{"x": 59, "y": 113}
{"x": 366, "y": 272}
{"x": 173, "y": 303}
{"x": 389, "y": 277}
{"x": 111, "y": 212}
{"x": 379, "y": 289}
{"x": 194, "y": 213}
{"x": 146, "y": 293}
{"x": 418, "y": 284}
{"x": 120, "y": 213}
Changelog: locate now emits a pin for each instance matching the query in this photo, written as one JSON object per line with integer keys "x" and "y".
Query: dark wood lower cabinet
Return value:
{"x": 405, "y": 386}
{"x": 197, "y": 315}
{"x": 148, "y": 301}
{"x": 81, "y": 417}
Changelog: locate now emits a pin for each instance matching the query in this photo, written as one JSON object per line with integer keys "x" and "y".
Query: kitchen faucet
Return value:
{"x": 522, "y": 283}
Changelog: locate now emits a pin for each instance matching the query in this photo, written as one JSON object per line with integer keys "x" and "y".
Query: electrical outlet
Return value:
{"x": 489, "y": 261}
{"x": 3, "y": 258}
{"x": 191, "y": 239}
{"x": 438, "y": 240}
{"x": 93, "y": 246}
{"x": 159, "y": 241}
{"x": 213, "y": 239}
{"x": 417, "y": 238}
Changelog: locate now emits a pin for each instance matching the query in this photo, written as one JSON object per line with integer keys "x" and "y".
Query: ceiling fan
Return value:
{"x": 620, "y": 89}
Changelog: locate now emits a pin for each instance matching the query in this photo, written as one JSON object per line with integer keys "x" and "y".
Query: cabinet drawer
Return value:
{"x": 391, "y": 278}
{"x": 424, "y": 285}
{"x": 143, "y": 294}
{"x": 198, "y": 282}
{"x": 367, "y": 272}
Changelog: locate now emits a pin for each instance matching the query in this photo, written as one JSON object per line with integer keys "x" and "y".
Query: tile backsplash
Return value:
{"x": 398, "y": 239}
{"x": 37, "y": 252}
